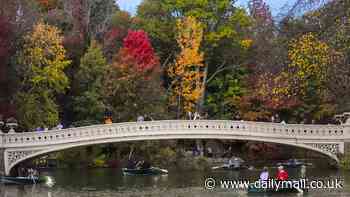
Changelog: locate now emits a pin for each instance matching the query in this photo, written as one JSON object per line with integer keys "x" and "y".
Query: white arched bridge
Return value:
{"x": 328, "y": 140}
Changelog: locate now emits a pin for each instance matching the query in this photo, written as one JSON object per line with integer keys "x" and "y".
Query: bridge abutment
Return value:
{"x": 345, "y": 158}
{"x": 2, "y": 161}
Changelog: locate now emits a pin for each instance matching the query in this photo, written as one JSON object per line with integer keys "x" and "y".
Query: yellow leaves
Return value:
{"x": 186, "y": 73}
{"x": 309, "y": 60}
{"x": 246, "y": 43}
{"x": 44, "y": 55}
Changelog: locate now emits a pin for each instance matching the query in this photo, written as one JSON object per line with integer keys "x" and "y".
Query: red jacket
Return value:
{"x": 282, "y": 175}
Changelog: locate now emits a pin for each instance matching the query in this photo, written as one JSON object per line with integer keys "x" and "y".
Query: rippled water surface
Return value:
{"x": 111, "y": 182}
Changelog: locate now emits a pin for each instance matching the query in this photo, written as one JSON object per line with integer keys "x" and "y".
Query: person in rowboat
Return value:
{"x": 282, "y": 175}
{"x": 234, "y": 162}
{"x": 131, "y": 164}
{"x": 264, "y": 175}
{"x": 145, "y": 165}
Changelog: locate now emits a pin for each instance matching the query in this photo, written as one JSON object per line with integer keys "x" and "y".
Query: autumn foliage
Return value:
{"x": 137, "y": 47}
{"x": 187, "y": 71}
{"x": 276, "y": 91}
{"x": 310, "y": 60}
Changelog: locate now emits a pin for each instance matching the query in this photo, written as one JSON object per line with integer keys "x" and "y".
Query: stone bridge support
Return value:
{"x": 346, "y": 150}
{"x": 2, "y": 162}
{"x": 2, "y": 155}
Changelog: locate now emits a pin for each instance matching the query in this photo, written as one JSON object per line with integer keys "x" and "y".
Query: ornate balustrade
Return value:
{"x": 145, "y": 128}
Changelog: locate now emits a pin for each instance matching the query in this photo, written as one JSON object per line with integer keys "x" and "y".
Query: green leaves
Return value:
{"x": 93, "y": 67}
{"x": 37, "y": 109}
{"x": 222, "y": 92}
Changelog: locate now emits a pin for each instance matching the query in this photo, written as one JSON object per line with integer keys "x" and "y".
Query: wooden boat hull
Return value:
{"x": 148, "y": 171}
{"x": 253, "y": 189}
{"x": 291, "y": 165}
{"x": 7, "y": 180}
{"x": 231, "y": 168}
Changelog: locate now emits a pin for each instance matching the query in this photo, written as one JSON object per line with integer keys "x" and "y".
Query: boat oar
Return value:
{"x": 299, "y": 190}
{"x": 217, "y": 167}
{"x": 33, "y": 179}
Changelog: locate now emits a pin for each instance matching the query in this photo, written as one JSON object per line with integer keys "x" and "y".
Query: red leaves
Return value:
{"x": 138, "y": 47}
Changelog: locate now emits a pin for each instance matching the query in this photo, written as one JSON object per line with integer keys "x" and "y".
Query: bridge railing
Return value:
{"x": 169, "y": 127}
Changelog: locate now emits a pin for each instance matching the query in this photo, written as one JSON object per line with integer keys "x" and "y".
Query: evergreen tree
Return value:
{"x": 92, "y": 69}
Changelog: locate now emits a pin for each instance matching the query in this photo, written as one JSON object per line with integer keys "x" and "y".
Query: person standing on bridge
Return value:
{"x": 59, "y": 126}
{"x": 108, "y": 120}
{"x": 140, "y": 118}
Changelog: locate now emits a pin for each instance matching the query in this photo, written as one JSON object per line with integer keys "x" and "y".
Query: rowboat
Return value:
{"x": 8, "y": 180}
{"x": 227, "y": 167}
{"x": 147, "y": 171}
{"x": 252, "y": 189}
{"x": 235, "y": 163}
{"x": 293, "y": 163}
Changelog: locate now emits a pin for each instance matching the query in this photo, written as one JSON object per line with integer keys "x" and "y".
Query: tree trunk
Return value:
{"x": 204, "y": 83}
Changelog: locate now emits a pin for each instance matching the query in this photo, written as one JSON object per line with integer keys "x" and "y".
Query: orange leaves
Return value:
{"x": 187, "y": 71}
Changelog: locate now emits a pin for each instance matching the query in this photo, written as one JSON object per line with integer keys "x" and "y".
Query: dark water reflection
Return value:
{"x": 110, "y": 183}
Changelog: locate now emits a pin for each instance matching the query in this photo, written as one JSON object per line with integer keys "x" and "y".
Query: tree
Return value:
{"x": 132, "y": 85}
{"x": 6, "y": 49}
{"x": 93, "y": 66}
{"x": 155, "y": 18}
{"x": 187, "y": 72}
{"x": 113, "y": 37}
{"x": 76, "y": 38}
{"x": 100, "y": 16}
{"x": 223, "y": 91}
{"x": 224, "y": 26}
{"x": 309, "y": 61}
{"x": 276, "y": 91}
{"x": 260, "y": 11}
{"x": 138, "y": 47}
{"x": 263, "y": 34}
{"x": 309, "y": 69}
{"x": 42, "y": 71}
{"x": 5, "y": 45}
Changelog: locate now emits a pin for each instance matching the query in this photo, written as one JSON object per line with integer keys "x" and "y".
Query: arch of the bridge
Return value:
{"x": 50, "y": 149}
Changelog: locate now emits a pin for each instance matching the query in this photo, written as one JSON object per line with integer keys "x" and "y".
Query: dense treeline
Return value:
{"x": 78, "y": 60}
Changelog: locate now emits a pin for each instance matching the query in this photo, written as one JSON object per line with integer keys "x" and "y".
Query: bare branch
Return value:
{"x": 221, "y": 69}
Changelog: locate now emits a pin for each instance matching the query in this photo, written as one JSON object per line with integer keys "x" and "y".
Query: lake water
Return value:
{"x": 111, "y": 182}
